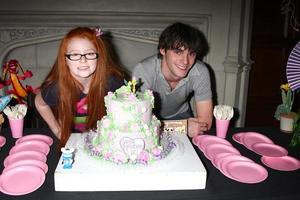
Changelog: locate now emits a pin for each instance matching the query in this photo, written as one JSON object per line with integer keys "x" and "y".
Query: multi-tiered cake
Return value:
{"x": 129, "y": 133}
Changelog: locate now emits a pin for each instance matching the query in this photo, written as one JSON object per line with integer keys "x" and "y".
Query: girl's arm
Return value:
{"x": 47, "y": 114}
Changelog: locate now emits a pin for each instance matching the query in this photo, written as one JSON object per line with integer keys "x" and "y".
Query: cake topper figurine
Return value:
{"x": 67, "y": 156}
{"x": 132, "y": 84}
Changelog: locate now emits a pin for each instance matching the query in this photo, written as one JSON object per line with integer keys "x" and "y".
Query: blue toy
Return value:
{"x": 67, "y": 156}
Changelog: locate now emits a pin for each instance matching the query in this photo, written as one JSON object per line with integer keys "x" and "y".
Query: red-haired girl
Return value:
{"x": 72, "y": 95}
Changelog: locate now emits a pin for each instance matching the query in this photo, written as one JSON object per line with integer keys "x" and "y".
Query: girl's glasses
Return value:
{"x": 76, "y": 56}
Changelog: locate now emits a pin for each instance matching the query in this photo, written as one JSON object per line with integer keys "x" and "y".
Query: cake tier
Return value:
{"x": 136, "y": 143}
{"x": 129, "y": 112}
{"x": 129, "y": 108}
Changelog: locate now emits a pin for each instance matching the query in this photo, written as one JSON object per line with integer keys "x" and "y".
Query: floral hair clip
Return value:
{"x": 98, "y": 32}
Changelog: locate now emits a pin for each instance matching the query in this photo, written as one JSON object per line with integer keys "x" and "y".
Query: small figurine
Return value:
{"x": 67, "y": 155}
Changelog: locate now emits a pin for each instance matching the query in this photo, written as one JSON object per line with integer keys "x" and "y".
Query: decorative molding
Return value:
{"x": 14, "y": 38}
{"x": 150, "y": 35}
{"x": 247, "y": 65}
{"x": 9, "y": 35}
{"x": 233, "y": 64}
{"x": 23, "y": 28}
{"x": 19, "y": 34}
{"x": 92, "y": 18}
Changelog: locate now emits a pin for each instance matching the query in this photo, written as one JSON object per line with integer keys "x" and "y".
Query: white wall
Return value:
{"x": 30, "y": 32}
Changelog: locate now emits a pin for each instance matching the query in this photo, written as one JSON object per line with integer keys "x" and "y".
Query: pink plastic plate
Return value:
{"x": 2, "y": 141}
{"x": 21, "y": 180}
{"x": 250, "y": 138}
{"x": 285, "y": 163}
{"x": 31, "y": 145}
{"x": 246, "y": 172}
{"x": 212, "y": 150}
{"x": 266, "y": 149}
{"x": 197, "y": 138}
{"x": 207, "y": 141}
{"x": 40, "y": 137}
{"x": 218, "y": 158}
{"x": 37, "y": 163}
{"x": 24, "y": 155}
{"x": 228, "y": 159}
{"x": 238, "y": 137}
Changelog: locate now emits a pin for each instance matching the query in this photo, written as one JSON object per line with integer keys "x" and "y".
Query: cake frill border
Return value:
{"x": 166, "y": 140}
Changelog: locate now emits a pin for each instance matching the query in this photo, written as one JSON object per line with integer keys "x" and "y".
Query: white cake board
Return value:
{"x": 181, "y": 170}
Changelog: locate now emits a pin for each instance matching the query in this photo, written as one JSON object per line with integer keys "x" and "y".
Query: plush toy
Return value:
{"x": 12, "y": 68}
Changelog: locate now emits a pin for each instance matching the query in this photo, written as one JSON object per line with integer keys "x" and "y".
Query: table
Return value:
{"x": 278, "y": 185}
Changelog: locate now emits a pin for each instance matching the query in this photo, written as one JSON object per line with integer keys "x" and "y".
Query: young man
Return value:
{"x": 175, "y": 75}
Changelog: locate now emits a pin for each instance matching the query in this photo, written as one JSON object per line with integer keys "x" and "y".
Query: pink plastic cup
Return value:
{"x": 222, "y": 127}
{"x": 16, "y": 127}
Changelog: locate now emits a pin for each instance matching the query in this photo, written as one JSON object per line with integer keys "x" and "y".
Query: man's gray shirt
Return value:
{"x": 176, "y": 101}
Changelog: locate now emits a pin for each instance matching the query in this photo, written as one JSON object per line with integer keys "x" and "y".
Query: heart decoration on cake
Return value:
{"x": 132, "y": 147}
{"x": 293, "y": 68}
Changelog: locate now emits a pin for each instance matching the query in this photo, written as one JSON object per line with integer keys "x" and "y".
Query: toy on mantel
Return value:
{"x": 12, "y": 68}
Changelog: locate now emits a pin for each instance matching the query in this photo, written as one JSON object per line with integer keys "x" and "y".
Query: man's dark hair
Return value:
{"x": 180, "y": 35}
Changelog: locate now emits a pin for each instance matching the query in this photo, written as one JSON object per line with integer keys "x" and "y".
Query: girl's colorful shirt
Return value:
{"x": 50, "y": 96}
{"x": 81, "y": 115}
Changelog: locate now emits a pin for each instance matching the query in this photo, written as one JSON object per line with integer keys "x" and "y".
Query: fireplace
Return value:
{"x": 31, "y": 34}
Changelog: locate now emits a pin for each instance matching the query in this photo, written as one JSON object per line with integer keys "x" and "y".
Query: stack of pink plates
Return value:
{"x": 273, "y": 155}
{"x": 25, "y": 166}
{"x": 240, "y": 168}
{"x": 212, "y": 145}
{"x": 229, "y": 161}
{"x": 44, "y": 138}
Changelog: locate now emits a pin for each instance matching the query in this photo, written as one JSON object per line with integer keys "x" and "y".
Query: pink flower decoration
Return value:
{"x": 135, "y": 127}
{"x": 144, "y": 156}
{"x": 106, "y": 123}
{"x": 156, "y": 151}
{"x": 110, "y": 94}
{"x": 132, "y": 97}
{"x": 119, "y": 158}
{"x": 148, "y": 133}
{"x": 107, "y": 155}
{"x": 98, "y": 149}
{"x": 110, "y": 135}
{"x": 150, "y": 92}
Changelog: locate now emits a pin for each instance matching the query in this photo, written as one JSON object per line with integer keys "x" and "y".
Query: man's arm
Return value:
{"x": 204, "y": 111}
{"x": 203, "y": 121}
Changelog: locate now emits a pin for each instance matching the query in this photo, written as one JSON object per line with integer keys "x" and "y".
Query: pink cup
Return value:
{"x": 16, "y": 127}
{"x": 222, "y": 127}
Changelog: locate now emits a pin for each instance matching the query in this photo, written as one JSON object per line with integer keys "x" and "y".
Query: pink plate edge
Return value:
{"x": 42, "y": 179}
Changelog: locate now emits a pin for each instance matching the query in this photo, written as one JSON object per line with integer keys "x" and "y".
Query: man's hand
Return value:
{"x": 195, "y": 127}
